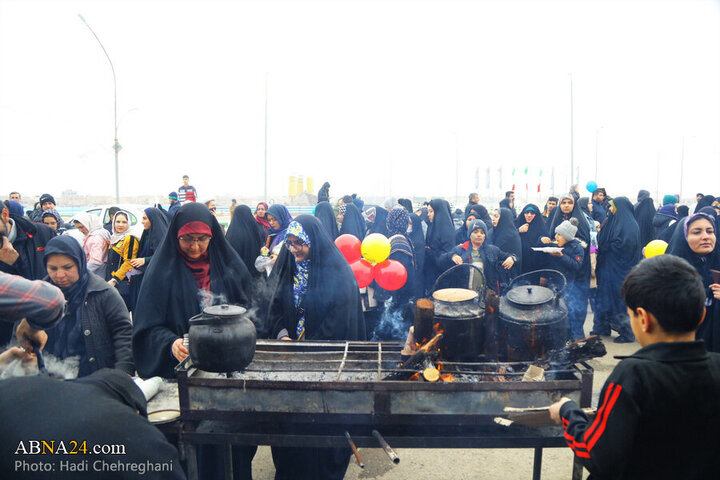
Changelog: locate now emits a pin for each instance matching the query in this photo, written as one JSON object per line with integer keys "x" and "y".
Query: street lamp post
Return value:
{"x": 572, "y": 150}
{"x": 597, "y": 136}
{"x": 116, "y": 146}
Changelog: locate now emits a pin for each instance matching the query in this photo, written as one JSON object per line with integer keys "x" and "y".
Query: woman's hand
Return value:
{"x": 179, "y": 350}
{"x": 264, "y": 251}
{"x": 508, "y": 263}
{"x": 112, "y": 282}
{"x": 715, "y": 287}
{"x": 15, "y": 353}
{"x": 545, "y": 239}
{"x": 137, "y": 262}
{"x": 556, "y": 254}
{"x": 457, "y": 259}
{"x": 285, "y": 338}
{"x": 523, "y": 228}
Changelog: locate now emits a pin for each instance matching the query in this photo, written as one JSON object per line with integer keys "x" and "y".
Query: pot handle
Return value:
{"x": 558, "y": 282}
{"x": 194, "y": 317}
{"x": 481, "y": 292}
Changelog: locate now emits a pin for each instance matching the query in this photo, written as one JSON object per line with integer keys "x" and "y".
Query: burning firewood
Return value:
{"x": 417, "y": 361}
{"x": 578, "y": 351}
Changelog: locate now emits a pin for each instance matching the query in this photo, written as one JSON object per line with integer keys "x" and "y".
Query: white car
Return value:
{"x": 135, "y": 211}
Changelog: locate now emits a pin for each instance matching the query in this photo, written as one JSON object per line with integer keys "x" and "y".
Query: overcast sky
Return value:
{"x": 377, "y": 97}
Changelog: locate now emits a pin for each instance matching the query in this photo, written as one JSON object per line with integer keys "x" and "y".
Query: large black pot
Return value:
{"x": 222, "y": 339}
{"x": 533, "y": 318}
{"x": 460, "y": 313}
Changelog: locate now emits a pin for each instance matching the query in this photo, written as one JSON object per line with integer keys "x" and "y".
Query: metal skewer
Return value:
{"x": 354, "y": 449}
{"x": 390, "y": 452}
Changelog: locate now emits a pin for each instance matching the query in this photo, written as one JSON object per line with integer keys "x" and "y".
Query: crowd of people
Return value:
{"x": 129, "y": 299}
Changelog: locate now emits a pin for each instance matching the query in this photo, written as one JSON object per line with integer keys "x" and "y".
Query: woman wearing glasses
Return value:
{"x": 193, "y": 261}
{"x": 316, "y": 298}
{"x": 193, "y": 267}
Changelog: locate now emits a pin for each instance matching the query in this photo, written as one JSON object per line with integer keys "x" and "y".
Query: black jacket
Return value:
{"x": 30, "y": 245}
{"x": 657, "y": 417}
{"x": 496, "y": 277}
{"x": 571, "y": 261}
{"x": 106, "y": 327}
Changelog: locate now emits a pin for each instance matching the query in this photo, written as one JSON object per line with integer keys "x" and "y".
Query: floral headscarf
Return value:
{"x": 302, "y": 273}
{"x": 397, "y": 221}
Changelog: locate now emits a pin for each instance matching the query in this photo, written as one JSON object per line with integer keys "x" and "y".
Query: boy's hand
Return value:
{"x": 8, "y": 254}
{"x": 715, "y": 287}
{"x": 555, "y": 409}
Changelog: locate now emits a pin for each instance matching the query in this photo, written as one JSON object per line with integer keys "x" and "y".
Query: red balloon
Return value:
{"x": 363, "y": 271}
{"x": 390, "y": 274}
{"x": 349, "y": 246}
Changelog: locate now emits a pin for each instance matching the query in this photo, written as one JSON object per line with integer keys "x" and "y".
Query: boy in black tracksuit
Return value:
{"x": 658, "y": 415}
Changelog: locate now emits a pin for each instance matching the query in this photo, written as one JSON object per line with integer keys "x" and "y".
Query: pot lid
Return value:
{"x": 455, "y": 295}
{"x": 224, "y": 310}
{"x": 530, "y": 295}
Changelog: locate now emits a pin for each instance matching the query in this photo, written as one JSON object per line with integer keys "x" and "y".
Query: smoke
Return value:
{"x": 392, "y": 325}
{"x": 208, "y": 299}
{"x": 65, "y": 369}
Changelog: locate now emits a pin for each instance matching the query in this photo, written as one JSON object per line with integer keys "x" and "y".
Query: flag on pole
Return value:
{"x": 539, "y": 180}
{"x": 513, "y": 179}
{"x": 487, "y": 178}
{"x": 526, "y": 180}
{"x": 477, "y": 178}
{"x": 552, "y": 180}
{"x": 500, "y": 178}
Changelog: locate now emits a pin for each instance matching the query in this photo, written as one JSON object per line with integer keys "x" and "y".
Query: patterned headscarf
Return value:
{"x": 397, "y": 221}
{"x": 342, "y": 208}
{"x": 302, "y": 273}
{"x": 694, "y": 217}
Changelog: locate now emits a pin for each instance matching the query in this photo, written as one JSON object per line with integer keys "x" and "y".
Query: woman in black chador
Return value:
{"x": 351, "y": 221}
{"x": 618, "y": 251}
{"x": 531, "y": 227}
{"x": 440, "y": 240}
{"x": 324, "y": 212}
{"x": 193, "y": 260}
{"x": 644, "y": 214}
{"x": 245, "y": 238}
{"x": 315, "y": 297}
{"x": 506, "y": 237}
{"x": 695, "y": 240}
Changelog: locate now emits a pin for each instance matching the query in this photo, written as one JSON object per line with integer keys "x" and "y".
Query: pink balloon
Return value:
{"x": 390, "y": 274}
{"x": 349, "y": 246}
{"x": 363, "y": 271}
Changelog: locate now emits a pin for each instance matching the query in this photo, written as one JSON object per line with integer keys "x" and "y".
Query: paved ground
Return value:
{"x": 460, "y": 464}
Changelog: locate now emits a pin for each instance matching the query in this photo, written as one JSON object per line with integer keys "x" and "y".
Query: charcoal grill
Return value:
{"x": 309, "y": 393}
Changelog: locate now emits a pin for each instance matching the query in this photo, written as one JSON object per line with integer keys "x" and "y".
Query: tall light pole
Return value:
{"x": 572, "y": 159}
{"x": 265, "y": 195}
{"x": 682, "y": 169}
{"x": 116, "y": 146}
{"x": 457, "y": 167}
{"x": 597, "y": 136}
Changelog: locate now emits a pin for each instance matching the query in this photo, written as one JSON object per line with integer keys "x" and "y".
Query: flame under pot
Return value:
{"x": 461, "y": 315}
{"x": 533, "y": 321}
{"x": 222, "y": 339}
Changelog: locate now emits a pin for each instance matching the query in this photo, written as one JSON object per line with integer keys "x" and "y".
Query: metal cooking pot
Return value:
{"x": 222, "y": 339}
{"x": 533, "y": 318}
{"x": 460, "y": 313}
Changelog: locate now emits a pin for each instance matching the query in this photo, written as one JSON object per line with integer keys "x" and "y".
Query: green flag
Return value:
{"x": 526, "y": 170}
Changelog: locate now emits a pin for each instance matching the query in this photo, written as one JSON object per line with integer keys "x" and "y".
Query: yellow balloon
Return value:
{"x": 375, "y": 248}
{"x": 654, "y": 248}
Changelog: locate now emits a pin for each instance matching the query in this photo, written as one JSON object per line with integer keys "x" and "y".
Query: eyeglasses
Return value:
{"x": 294, "y": 243}
{"x": 213, "y": 209}
{"x": 189, "y": 239}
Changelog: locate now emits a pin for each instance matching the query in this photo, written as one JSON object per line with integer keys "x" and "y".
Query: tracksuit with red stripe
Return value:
{"x": 658, "y": 418}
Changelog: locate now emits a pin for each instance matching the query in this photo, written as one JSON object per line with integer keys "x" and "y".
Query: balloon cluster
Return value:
{"x": 369, "y": 261}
